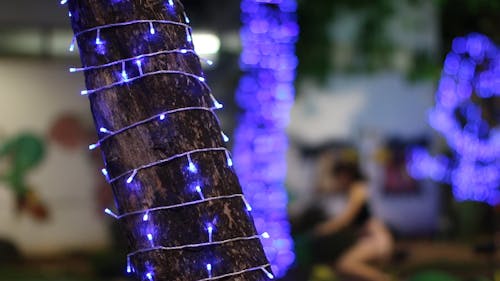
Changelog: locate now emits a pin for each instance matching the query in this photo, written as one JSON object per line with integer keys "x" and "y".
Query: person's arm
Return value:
{"x": 357, "y": 198}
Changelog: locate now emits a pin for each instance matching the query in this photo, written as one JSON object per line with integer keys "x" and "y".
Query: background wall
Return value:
{"x": 32, "y": 95}
{"x": 385, "y": 102}
{"x": 366, "y": 110}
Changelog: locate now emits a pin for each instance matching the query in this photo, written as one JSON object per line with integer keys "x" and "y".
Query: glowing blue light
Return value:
{"x": 473, "y": 170}
{"x": 209, "y": 269}
{"x": 186, "y": 19}
{"x": 146, "y": 217}
{"x": 105, "y": 174}
{"x": 162, "y": 117}
{"x": 171, "y": 2}
{"x": 225, "y": 137}
{"x": 104, "y": 130}
{"x": 150, "y": 237}
{"x": 138, "y": 62}
{"x": 149, "y": 276}
{"x": 152, "y": 29}
{"x": 210, "y": 230}
{"x": 266, "y": 94}
{"x": 248, "y": 207}
{"x": 200, "y": 192}
{"x": 63, "y": 2}
{"x": 269, "y": 274}
{"x": 191, "y": 166}
{"x": 72, "y": 45}
{"x": 132, "y": 177}
{"x": 124, "y": 75}
{"x": 110, "y": 213}
{"x": 93, "y": 146}
{"x": 217, "y": 104}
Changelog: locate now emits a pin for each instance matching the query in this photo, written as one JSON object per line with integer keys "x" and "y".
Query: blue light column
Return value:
{"x": 266, "y": 95}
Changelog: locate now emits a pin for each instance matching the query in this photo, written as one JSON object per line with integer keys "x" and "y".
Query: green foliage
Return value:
{"x": 424, "y": 67}
{"x": 373, "y": 50}
{"x": 433, "y": 276}
{"x": 315, "y": 45}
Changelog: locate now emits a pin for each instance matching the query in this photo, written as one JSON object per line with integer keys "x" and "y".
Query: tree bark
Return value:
{"x": 163, "y": 145}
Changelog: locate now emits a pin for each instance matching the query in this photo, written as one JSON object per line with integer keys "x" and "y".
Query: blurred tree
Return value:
{"x": 316, "y": 47}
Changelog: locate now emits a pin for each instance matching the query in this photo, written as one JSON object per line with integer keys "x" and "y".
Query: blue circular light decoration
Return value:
{"x": 471, "y": 72}
{"x": 266, "y": 95}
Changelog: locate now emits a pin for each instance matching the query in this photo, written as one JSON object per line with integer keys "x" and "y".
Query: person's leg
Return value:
{"x": 355, "y": 262}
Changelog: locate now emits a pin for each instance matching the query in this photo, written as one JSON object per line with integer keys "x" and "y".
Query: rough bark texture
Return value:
{"x": 166, "y": 184}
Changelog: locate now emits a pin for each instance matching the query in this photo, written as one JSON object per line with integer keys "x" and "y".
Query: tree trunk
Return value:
{"x": 177, "y": 196}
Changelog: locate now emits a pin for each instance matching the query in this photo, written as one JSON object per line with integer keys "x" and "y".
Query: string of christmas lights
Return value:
{"x": 191, "y": 166}
{"x": 146, "y": 213}
{"x": 152, "y": 30}
{"x": 470, "y": 72}
{"x": 128, "y": 60}
{"x": 129, "y": 176}
{"x": 127, "y": 79}
{"x": 161, "y": 116}
{"x": 266, "y": 94}
{"x": 262, "y": 268}
{"x": 213, "y": 243}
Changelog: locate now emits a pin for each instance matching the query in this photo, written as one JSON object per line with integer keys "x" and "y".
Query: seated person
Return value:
{"x": 353, "y": 239}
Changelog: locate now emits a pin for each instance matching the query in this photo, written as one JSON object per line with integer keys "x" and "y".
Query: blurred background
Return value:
{"x": 368, "y": 77}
